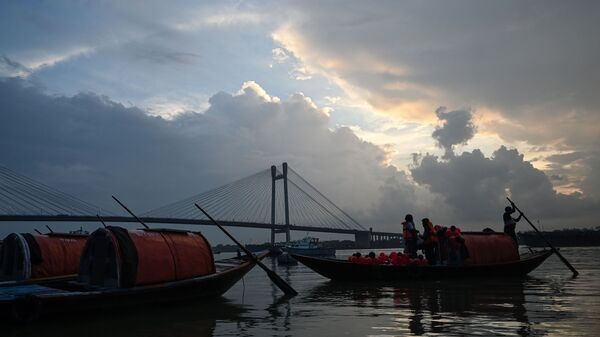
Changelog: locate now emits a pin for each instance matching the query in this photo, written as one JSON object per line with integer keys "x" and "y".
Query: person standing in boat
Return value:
{"x": 410, "y": 234}
{"x": 430, "y": 241}
{"x": 510, "y": 223}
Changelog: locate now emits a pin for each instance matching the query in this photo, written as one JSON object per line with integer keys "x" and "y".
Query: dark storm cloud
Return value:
{"x": 475, "y": 187}
{"x": 457, "y": 128}
{"x": 591, "y": 183}
{"x": 93, "y": 147}
{"x": 531, "y": 61}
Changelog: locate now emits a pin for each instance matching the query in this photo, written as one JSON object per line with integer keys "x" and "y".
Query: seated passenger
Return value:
{"x": 382, "y": 259}
{"x": 458, "y": 251}
{"x": 403, "y": 259}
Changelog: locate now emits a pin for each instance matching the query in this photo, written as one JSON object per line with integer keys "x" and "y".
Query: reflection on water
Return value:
{"x": 182, "y": 319}
{"x": 438, "y": 307}
{"x": 548, "y": 302}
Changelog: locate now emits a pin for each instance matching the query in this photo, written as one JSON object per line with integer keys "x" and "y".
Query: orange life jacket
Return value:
{"x": 450, "y": 233}
{"x": 432, "y": 234}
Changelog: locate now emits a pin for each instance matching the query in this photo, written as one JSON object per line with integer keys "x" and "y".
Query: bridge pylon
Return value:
{"x": 274, "y": 178}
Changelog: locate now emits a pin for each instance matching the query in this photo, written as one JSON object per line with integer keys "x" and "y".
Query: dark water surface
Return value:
{"x": 548, "y": 302}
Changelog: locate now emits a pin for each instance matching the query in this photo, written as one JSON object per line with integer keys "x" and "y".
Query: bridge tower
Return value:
{"x": 274, "y": 178}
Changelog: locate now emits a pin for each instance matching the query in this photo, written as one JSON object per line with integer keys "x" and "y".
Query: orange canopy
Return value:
{"x": 27, "y": 256}
{"x": 117, "y": 257}
{"x": 489, "y": 248}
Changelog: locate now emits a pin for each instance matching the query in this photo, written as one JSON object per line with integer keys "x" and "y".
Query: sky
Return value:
{"x": 440, "y": 109}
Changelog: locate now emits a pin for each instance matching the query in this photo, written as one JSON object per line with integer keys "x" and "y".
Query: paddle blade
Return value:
{"x": 279, "y": 282}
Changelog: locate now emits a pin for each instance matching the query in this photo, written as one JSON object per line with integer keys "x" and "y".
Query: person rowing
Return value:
{"x": 510, "y": 223}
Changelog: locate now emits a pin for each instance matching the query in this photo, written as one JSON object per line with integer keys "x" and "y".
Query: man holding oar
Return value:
{"x": 510, "y": 223}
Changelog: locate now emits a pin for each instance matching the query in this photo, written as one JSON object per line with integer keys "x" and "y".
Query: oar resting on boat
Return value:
{"x": 278, "y": 281}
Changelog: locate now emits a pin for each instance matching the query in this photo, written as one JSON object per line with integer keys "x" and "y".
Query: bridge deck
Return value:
{"x": 173, "y": 221}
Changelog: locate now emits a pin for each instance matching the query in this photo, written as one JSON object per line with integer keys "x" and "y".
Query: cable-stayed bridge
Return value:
{"x": 277, "y": 199}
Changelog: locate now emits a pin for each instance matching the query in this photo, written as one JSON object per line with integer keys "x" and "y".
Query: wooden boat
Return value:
{"x": 341, "y": 270}
{"x": 30, "y": 301}
{"x": 120, "y": 267}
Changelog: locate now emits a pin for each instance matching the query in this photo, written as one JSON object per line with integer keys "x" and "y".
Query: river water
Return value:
{"x": 546, "y": 303}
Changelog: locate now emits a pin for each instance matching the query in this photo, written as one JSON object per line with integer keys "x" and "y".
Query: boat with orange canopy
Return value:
{"x": 122, "y": 267}
{"x": 490, "y": 255}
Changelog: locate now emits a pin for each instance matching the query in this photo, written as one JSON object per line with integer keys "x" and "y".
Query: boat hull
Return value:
{"x": 340, "y": 270}
{"x": 324, "y": 252}
{"x": 29, "y": 307}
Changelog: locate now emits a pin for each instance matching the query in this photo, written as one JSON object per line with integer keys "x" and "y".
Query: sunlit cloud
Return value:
{"x": 51, "y": 59}
{"x": 228, "y": 18}
{"x": 170, "y": 107}
{"x": 251, "y": 86}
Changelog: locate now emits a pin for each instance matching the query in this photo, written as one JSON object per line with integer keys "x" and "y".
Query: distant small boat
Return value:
{"x": 309, "y": 246}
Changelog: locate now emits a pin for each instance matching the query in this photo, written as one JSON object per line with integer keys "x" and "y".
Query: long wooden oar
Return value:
{"x": 130, "y": 212}
{"x": 562, "y": 258}
{"x": 279, "y": 282}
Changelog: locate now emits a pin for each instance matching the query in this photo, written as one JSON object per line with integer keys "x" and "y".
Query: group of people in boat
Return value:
{"x": 394, "y": 258}
{"x": 441, "y": 245}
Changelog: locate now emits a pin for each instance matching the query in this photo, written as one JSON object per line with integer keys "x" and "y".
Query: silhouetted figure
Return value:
{"x": 458, "y": 251}
{"x": 510, "y": 223}
{"x": 443, "y": 245}
{"x": 410, "y": 234}
{"x": 430, "y": 241}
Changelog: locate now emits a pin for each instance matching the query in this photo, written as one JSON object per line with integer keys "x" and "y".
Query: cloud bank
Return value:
{"x": 93, "y": 147}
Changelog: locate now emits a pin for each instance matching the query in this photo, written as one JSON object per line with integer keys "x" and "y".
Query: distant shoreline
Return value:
{"x": 562, "y": 238}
